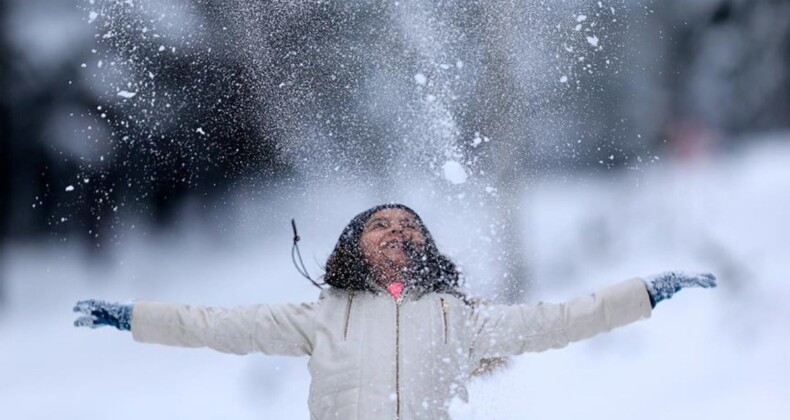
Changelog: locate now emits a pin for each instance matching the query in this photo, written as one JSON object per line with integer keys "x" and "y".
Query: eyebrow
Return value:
{"x": 401, "y": 220}
{"x": 375, "y": 219}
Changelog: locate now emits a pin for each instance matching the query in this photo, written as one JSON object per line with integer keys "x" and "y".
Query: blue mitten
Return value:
{"x": 664, "y": 285}
{"x": 99, "y": 313}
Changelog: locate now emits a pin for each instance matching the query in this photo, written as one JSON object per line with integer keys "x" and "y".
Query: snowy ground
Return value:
{"x": 704, "y": 354}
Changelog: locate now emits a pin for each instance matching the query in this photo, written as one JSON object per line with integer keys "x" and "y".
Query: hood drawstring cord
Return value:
{"x": 300, "y": 267}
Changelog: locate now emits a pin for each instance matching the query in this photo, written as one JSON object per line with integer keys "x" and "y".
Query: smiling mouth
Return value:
{"x": 393, "y": 244}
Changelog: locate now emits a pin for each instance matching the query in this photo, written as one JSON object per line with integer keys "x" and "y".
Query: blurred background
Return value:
{"x": 157, "y": 149}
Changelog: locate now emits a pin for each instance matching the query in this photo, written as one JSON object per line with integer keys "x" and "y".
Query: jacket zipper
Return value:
{"x": 348, "y": 315}
{"x": 397, "y": 358}
{"x": 445, "y": 312}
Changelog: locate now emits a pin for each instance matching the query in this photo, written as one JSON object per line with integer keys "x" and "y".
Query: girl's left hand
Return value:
{"x": 663, "y": 285}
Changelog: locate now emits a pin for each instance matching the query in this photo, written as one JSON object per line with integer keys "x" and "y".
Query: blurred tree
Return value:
{"x": 727, "y": 70}
{"x": 545, "y": 94}
{"x": 498, "y": 109}
{"x": 191, "y": 127}
{"x": 5, "y": 143}
{"x": 79, "y": 153}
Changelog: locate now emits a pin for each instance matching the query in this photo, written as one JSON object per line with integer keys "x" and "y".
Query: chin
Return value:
{"x": 398, "y": 262}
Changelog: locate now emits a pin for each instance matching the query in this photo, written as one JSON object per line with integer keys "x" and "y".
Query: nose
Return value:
{"x": 397, "y": 232}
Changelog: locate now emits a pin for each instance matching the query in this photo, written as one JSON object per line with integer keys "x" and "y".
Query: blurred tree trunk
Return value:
{"x": 726, "y": 70}
{"x": 5, "y": 145}
{"x": 499, "y": 114}
{"x": 509, "y": 150}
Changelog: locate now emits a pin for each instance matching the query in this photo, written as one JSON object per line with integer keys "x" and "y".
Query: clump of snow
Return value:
{"x": 479, "y": 139}
{"x": 592, "y": 40}
{"x": 420, "y": 79}
{"x": 126, "y": 94}
{"x": 454, "y": 172}
{"x": 70, "y": 188}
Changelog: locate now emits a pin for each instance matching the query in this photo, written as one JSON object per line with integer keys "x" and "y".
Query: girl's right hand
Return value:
{"x": 98, "y": 313}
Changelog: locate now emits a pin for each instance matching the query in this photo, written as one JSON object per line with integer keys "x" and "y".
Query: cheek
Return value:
{"x": 368, "y": 244}
{"x": 417, "y": 238}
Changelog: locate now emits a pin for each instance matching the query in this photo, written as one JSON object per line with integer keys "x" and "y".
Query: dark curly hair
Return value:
{"x": 347, "y": 268}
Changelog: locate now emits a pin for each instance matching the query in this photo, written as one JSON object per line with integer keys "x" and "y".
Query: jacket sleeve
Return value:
{"x": 503, "y": 330}
{"x": 284, "y": 330}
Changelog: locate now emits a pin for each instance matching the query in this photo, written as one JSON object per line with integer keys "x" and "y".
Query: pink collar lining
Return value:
{"x": 395, "y": 289}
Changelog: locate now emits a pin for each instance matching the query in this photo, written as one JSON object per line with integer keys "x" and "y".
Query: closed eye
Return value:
{"x": 408, "y": 224}
{"x": 378, "y": 224}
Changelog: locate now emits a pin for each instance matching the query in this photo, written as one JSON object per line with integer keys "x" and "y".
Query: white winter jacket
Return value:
{"x": 372, "y": 357}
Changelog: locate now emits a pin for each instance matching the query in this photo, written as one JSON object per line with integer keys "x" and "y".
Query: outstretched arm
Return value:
{"x": 273, "y": 329}
{"x": 503, "y": 330}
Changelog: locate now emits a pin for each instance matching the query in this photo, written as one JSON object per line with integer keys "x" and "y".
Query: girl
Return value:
{"x": 393, "y": 336}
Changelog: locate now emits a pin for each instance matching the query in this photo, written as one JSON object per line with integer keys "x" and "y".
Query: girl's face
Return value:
{"x": 385, "y": 235}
